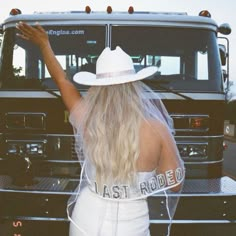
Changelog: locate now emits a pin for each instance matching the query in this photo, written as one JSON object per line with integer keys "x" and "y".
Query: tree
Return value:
{"x": 231, "y": 104}
{"x": 232, "y": 90}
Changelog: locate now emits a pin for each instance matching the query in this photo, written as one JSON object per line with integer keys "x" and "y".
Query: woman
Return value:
{"x": 123, "y": 137}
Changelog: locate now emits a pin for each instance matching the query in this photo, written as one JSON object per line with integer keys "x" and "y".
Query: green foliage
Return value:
{"x": 17, "y": 71}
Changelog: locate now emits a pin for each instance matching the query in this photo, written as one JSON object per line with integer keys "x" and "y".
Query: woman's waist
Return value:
{"x": 116, "y": 191}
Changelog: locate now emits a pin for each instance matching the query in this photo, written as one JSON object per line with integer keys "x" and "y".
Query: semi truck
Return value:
{"x": 39, "y": 169}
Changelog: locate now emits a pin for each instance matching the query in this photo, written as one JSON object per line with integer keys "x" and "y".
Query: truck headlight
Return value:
{"x": 193, "y": 150}
{"x": 26, "y": 147}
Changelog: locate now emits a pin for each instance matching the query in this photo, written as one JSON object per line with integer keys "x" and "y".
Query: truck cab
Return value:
{"x": 36, "y": 138}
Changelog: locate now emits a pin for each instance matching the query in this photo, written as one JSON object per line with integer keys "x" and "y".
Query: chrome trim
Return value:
{"x": 24, "y": 116}
{"x": 203, "y": 162}
{"x": 192, "y": 95}
{"x": 188, "y": 117}
{"x": 52, "y": 161}
{"x": 34, "y": 218}
{"x": 26, "y": 94}
{"x": 200, "y": 137}
{"x": 192, "y": 130}
{"x": 63, "y": 161}
{"x": 176, "y": 115}
{"x": 37, "y": 192}
{"x": 192, "y": 143}
{"x": 163, "y": 95}
{"x": 192, "y": 221}
{"x": 27, "y": 140}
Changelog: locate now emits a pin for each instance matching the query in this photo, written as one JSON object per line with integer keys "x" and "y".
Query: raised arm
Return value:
{"x": 39, "y": 37}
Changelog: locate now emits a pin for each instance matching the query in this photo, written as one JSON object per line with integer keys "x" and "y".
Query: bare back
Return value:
{"x": 158, "y": 149}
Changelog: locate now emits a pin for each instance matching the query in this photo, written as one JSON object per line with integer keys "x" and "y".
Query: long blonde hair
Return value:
{"x": 111, "y": 134}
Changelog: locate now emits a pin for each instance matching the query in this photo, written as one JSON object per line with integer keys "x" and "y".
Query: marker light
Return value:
{"x": 15, "y": 11}
{"x": 109, "y": 10}
{"x": 205, "y": 13}
{"x": 131, "y": 10}
{"x": 225, "y": 146}
{"x": 199, "y": 123}
{"x": 87, "y": 9}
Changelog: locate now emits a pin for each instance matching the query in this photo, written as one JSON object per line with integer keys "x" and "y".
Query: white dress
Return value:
{"x": 118, "y": 210}
{"x": 94, "y": 216}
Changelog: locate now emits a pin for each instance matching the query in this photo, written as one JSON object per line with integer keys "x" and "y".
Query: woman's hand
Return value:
{"x": 36, "y": 34}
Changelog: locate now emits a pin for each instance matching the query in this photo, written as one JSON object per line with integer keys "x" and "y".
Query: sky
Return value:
{"x": 222, "y": 11}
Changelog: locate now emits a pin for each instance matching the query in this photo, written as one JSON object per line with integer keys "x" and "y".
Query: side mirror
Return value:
{"x": 223, "y": 54}
{"x": 224, "y": 74}
{"x": 224, "y": 29}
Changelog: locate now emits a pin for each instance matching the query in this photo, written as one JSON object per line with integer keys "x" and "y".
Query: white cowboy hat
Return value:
{"x": 113, "y": 67}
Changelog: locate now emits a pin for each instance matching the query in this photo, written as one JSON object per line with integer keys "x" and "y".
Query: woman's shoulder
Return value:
{"x": 152, "y": 132}
{"x": 155, "y": 125}
{"x": 155, "y": 131}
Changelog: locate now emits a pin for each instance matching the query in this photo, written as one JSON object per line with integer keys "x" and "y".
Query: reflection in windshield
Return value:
{"x": 76, "y": 48}
{"x": 186, "y": 59}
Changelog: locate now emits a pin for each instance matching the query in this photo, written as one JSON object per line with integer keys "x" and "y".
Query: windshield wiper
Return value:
{"x": 46, "y": 89}
{"x": 52, "y": 86}
{"x": 157, "y": 81}
{"x": 174, "y": 92}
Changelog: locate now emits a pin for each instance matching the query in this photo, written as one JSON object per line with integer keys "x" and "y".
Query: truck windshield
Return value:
{"x": 76, "y": 48}
{"x": 187, "y": 59}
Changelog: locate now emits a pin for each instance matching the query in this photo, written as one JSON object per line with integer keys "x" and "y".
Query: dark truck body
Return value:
{"x": 38, "y": 165}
